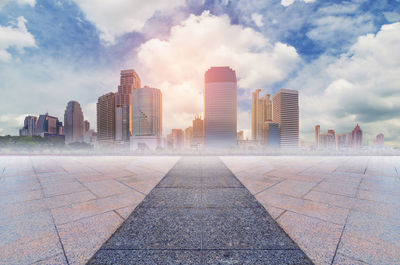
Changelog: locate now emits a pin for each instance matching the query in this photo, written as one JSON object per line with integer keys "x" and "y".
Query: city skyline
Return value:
{"x": 343, "y": 82}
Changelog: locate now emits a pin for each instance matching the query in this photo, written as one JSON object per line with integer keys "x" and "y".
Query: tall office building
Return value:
{"x": 48, "y": 126}
{"x": 271, "y": 134}
{"x": 261, "y": 111}
{"x": 357, "y": 134}
{"x": 106, "y": 118}
{"x": 74, "y": 129}
{"x": 198, "y": 132}
{"x": 220, "y": 107}
{"x": 188, "y": 136}
{"x": 286, "y": 112}
{"x": 129, "y": 81}
{"x": 146, "y": 118}
{"x": 29, "y": 126}
{"x": 327, "y": 140}
{"x": 86, "y": 126}
{"x": 380, "y": 140}
{"x": 317, "y": 133}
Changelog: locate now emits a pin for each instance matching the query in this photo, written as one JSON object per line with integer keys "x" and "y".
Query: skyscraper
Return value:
{"x": 29, "y": 126}
{"x": 129, "y": 81}
{"x": 106, "y": 118}
{"x": 86, "y": 126}
{"x": 146, "y": 117}
{"x": 286, "y": 112}
{"x": 48, "y": 126}
{"x": 271, "y": 134}
{"x": 73, "y": 123}
{"x": 177, "y": 138}
{"x": 188, "y": 136}
{"x": 220, "y": 107}
{"x": 357, "y": 134}
{"x": 261, "y": 111}
{"x": 317, "y": 133}
{"x": 380, "y": 140}
{"x": 198, "y": 132}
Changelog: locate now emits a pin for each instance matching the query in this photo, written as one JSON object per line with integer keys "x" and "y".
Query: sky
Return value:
{"x": 342, "y": 56}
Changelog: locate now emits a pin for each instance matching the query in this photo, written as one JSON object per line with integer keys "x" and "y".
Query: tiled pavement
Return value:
{"x": 60, "y": 209}
{"x": 200, "y": 214}
{"x": 340, "y": 210}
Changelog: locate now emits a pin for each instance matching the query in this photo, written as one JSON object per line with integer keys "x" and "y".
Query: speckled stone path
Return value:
{"x": 200, "y": 214}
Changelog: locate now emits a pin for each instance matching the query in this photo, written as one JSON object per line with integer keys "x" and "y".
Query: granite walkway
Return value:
{"x": 200, "y": 214}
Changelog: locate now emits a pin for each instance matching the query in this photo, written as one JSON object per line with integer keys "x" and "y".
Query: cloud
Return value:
{"x": 17, "y": 37}
{"x": 362, "y": 86}
{"x": 20, "y": 2}
{"x": 257, "y": 19}
{"x": 177, "y": 65}
{"x": 289, "y": 2}
{"x": 114, "y": 18}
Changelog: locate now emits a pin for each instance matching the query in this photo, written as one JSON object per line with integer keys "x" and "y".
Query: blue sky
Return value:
{"x": 341, "y": 55}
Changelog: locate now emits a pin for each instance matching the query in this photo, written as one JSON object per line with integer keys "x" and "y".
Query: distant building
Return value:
{"x": 146, "y": 118}
{"x": 380, "y": 140}
{"x": 198, "y": 132}
{"x": 327, "y": 140}
{"x": 261, "y": 111}
{"x": 240, "y": 135}
{"x": 317, "y": 133}
{"x": 73, "y": 123}
{"x": 106, "y": 119}
{"x": 220, "y": 112}
{"x": 86, "y": 125}
{"x": 49, "y": 126}
{"x": 188, "y": 136}
{"x": 271, "y": 134}
{"x": 90, "y": 137}
{"x": 286, "y": 113}
{"x": 29, "y": 126}
{"x": 177, "y": 138}
{"x": 357, "y": 134}
{"x": 129, "y": 81}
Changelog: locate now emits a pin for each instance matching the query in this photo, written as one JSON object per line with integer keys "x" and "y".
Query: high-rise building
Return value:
{"x": 146, "y": 118}
{"x": 271, "y": 134}
{"x": 317, "y": 133}
{"x": 29, "y": 126}
{"x": 380, "y": 140}
{"x": 327, "y": 140}
{"x": 286, "y": 112}
{"x": 261, "y": 111}
{"x": 73, "y": 123}
{"x": 240, "y": 135}
{"x": 178, "y": 139}
{"x": 220, "y": 107}
{"x": 357, "y": 136}
{"x": 129, "y": 81}
{"x": 48, "y": 126}
{"x": 86, "y": 126}
{"x": 106, "y": 118}
{"x": 198, "y": 132}
{"x": 188, "y": 136}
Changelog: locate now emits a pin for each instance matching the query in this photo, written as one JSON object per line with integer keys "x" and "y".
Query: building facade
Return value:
{"x": 29, "y": 128}
{"x": 106, "y": 118}
{"x": 317, "y": 133}
{"x": 74, "y": 129}
{"x": 198, "y": 132}
{"x": 271, "y": 134}
{"x": 286, "y": 112}
{"x": 261, "y": 111}
{"x": 220, "y": 107}
{"x": 357, "y": 134}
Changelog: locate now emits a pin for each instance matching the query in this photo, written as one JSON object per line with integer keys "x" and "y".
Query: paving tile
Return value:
{"x": 81, "y": 239}
{"x": 105, "y": 188}
{"x": 346, "y": 189}
{"x": 228, "y": 197}
{"x": 256, "y": 183}
{"x": 58, "y": 259}
{"x": 68, "y": 199}
{"x": 379, "y": 197}
{"x": 54, "y": 189}
{"x": 173, "y": 197}
{"x": 154, "y": 228}
{"x": 142, "y": 183}
{"x": 133, "y": 257}
{"x": 10, "y": 211}
{"x": 391, "y": 211}
{"x": 332, "y": 199}
{"x": 18, "y": 184}
{"x": 238, "y": 228}
{"x": 85, "y": 209}
{"x": 273, "y": 211}
{"x": 126, "y": 211}
{"x": 277, "y": 257}
{"x": 292, "y": 187}
{"x": 345, "y": 260}
{"x": 310, "y": 208}
{"x": 20, "y": 197}
{"x": 317, "y": 238}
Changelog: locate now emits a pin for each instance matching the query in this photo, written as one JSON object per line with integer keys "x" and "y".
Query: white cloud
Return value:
{"x": 17, "y": 37}
{"x": 20, "y": 2}
{"x": 362, "y": 86}
{"x": 177, "y": 65}
{"x": 12, "y": 120}
{"x": 257, "y": 19}
{"x": 114, "y": 18}
{"x": 289, "y": 2}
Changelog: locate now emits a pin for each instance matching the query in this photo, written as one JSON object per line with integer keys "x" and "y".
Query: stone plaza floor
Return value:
{"x": 333, "y": 210}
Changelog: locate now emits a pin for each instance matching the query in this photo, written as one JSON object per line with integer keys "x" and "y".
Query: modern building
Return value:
{"x": 357, "y": 134}
{"x": 198, "y": 132}
{"x": 86, "y": 125}
{"x": 380, "y": 140}
{"x": 146, "y": 118}
{"x": 129, "y": 81}
{"x": 317, "y": 133}
{"x": 178, "y": 139}
{"x": 271, "y": 134}
{"x": 106, "y": 119}
{"x": 29, "y": 126}
{"x": 286, "y": 112}
{"x": 240, "y": 135}
{"x": 74, "y": 129}
{"x": 261, "y": 111}
{"x": 49, "y": 126}
{"x": 90, "y": 137}
{"x": 188, "y": 136}
{"x": 220, "y": 107}
{"x": 327, "y": 140}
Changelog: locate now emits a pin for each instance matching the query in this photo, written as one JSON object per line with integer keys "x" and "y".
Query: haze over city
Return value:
{"x": 334, "y": 54}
